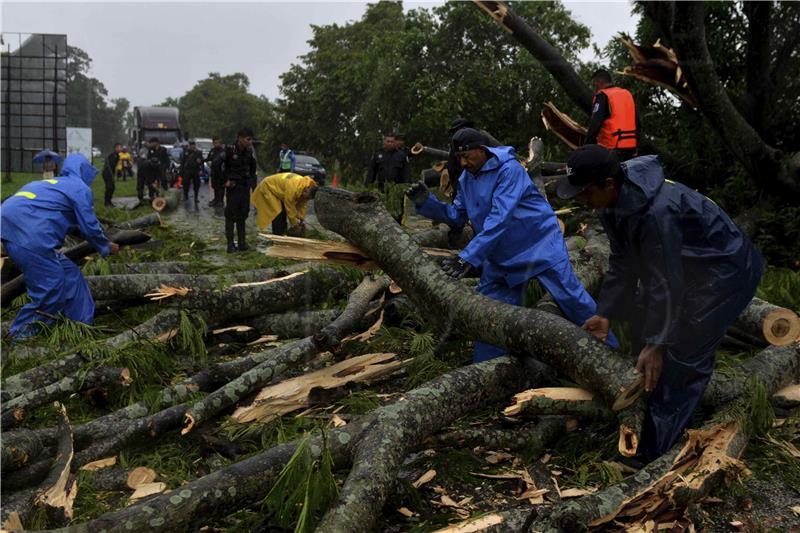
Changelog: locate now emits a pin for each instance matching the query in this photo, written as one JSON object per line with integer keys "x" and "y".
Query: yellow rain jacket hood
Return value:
{"x": 281, "y": 191}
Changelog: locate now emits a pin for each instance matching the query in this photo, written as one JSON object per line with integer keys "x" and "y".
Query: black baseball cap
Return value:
{"x": 467, "y": 139}
{"x": 588, "y": 164}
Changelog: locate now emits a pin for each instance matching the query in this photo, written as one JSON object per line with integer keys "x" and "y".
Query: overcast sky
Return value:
{"x": 149, "y": 51}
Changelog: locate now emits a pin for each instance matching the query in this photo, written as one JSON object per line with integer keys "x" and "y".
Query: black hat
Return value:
{"x": 588, "y": 164}
{"x": 154, "y": 140}
{"x": 467, "y": 139}
{"x": 460, "y": 123}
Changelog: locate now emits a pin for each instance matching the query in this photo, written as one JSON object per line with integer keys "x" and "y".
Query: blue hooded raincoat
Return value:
{"x": 35, "y": 221}
{"x": 516, "y": 238}
{"x": 680, "y": 272}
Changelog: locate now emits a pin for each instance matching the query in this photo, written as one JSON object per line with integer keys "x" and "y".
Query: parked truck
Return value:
{"x": 160, "y": 122}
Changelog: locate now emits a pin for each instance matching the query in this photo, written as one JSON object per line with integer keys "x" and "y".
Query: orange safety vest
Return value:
{"x": 618, "y": 130}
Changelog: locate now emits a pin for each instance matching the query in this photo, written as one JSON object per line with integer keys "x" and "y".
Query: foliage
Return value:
{"x": 781, "y": 286}
{"x": 191, "y": 336}
{"x": 304, "y": 489}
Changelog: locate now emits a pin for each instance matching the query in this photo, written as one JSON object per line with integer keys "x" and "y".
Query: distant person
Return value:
{"x": 190, "y": 170}
{"x": 239, "y": 169}
{"x": 614, "y": 123}
{"x": 124, "y": 166}
{"x": 286, "y": 159}
{"x": 282, "y": 197}
{"x": 215, "y": 165}
{"x": 109, "y": 171}
{"x": 34, "y": 223}
{"x": 152, "y": 169}
{"x": 390, "y": 166}
{"x": 48, "y": 167}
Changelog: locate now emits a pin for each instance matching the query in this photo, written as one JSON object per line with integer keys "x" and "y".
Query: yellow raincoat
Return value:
{"x": 281, "y": 191}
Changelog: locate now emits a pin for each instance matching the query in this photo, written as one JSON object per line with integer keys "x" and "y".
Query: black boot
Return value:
{"x": 241, "y": 231}
{"x": 229, "y": 235}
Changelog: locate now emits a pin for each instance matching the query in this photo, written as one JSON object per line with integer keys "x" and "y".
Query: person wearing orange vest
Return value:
{"x": 614, "y": 123}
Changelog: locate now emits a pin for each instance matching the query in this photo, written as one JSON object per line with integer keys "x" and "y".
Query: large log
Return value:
{"x": 773, "y": 324}
{"x": 365, "y": 222}
{"x": 168, "y": 202}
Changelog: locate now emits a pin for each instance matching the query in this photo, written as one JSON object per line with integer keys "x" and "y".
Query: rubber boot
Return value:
{"x": 229, "y": 235}
{"x": 241, "y": 231}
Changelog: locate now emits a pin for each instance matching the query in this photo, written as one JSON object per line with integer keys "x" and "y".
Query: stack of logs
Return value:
{"x": 39, "y": 466}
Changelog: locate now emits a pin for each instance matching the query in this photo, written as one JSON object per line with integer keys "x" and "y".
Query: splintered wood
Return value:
{"x": 705, "y": 454}
{"x": 293, "y": 394}
{"x": 658, "y": 65}
{"x": 163, "y": 292}
{"x": 302, "y": 249}
{"x": 564, "y": 126}
{"x": 567, "y": 395}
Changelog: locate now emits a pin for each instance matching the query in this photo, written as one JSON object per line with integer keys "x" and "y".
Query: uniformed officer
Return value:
{"x": 286, "y": 159}
{"x": 239, "y": 170}
{"x": 152, "y": 169}
{"x": 190, "y": 170}
{"x": 388, "y": 165}
{"x": 217, "y": 180}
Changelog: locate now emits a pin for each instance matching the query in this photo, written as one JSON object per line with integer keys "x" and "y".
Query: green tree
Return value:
{"x": 87, "y": 104}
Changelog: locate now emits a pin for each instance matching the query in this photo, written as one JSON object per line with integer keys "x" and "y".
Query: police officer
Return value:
{"x": 152, "y": 169}
{"x": 614, "y": 123}
{"x": 239, "y": 170}
{"x": 217, "y": 180}
{"x": 190, "y": 170}
{"x": 109, "y": 171}
{"x": 388, "y": 165}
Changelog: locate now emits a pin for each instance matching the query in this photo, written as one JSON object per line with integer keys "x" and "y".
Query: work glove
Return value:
{"x": 457, "y": 268}
{"x": 418, "y": 193}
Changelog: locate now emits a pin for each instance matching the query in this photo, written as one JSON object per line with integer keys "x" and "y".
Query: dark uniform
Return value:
{"x": 190, "y": 170}
{"x": 217, "y": 179}
{"x": 390, "y": 166}
{"x": 108, "y": 177}
{"x": 239, "y": 171}
{"x": 152, "y": 169}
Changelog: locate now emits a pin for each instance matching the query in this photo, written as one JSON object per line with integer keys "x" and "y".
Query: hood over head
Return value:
{"x": 498, "y": 156}
{"x": 77, "y": 166}
{"x": 646, "y": 176}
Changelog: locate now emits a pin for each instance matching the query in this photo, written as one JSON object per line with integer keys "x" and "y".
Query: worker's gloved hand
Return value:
{"x": 114, "y": 249}
{"x": 298, "y": 230}
{"x": 418, "y": 193}
{"x": 457, "y": 268}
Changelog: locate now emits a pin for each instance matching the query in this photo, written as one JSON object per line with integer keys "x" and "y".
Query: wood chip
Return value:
{"x": 405, "y": 512}
{"x": 100, "y": 463}
{"x": 237, "y": 329}
{"x": 737, "y": 524}
{"x": 13, "y": 523}
{"x": 140, "y": 475}
{"x": 496, "y": 476}
{"x": 147, "y": 489}
{"x": 424, "y": 478}
{"x": 471, "y": 526}
{"x": 497, "y": 457}
{"x": 795, "y": 509}
{"x": 534, "y": 493}
{"x": 338, "y": 421}
{"x": 448, "y": 501}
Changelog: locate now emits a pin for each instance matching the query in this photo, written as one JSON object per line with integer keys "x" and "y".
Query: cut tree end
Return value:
{"x": 628, "y": 441}
{"x": 629, "y": 395}
{"x": 188, "y": 424}
{"x": 781, "y": 327}
{"x": 159, "y": 204}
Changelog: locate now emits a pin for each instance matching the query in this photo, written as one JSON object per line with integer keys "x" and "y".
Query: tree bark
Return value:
{"x": 365, "y": 222}
{"x": 161, "y": 267}
{"x": 144, "y": 221}
{"x": 42, "y": 375}
{"x": 532, "y": 436}
{"x": 757, "y": 79}
{"x": 566, "y": 401}
{"x": 295, "y": 323}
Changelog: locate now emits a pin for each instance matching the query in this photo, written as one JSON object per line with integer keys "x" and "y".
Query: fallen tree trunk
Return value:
{"x": 534, "y": 437}
{"x": 773, "y": 324}
{"x": 14, "y": 410}
{"x": 295, "y": 324}
{"x": 438, "y": 237}
{"x": 42, "y": 375}
{"x": 144, "y": 221}
{"x": 160, "y": 267}
{"x": 362, "y": 220}
{"x": 168, "y": 202}
{"x": 567, "y": 401}
{"x": 421, "y": 412}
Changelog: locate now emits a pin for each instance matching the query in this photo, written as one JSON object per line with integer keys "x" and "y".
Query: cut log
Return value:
{"x": 291, "y": 324}
{"x": 302, "y": 249}
{"x": 775, "y": 325}
{"x": 168, "y": 202}
{"x": 144, "y": 221}
{"x": 563, "y": 126}
{"x": 534, "y": 437}
{"x": 787, "y": 397}
{"x": 437, "y": 237}
{"x": 658, "y": 65}
{"x": 42, "y": 375}
{"x": 294, "y": 394}
{"x": 363, "y": 220}
{"x": 568, "y": 401}
{"x": 57, "y": 493}
{"x": 160, "y": 267}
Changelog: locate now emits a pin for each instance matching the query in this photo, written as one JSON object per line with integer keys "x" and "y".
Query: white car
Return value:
{"x": 96, "y": 152}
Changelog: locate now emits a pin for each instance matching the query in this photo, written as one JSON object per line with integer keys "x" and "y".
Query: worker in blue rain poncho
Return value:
{"x": 680, "y": 272}
{"x": 35, "y": 221}
{"x": 516, "y": 232}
